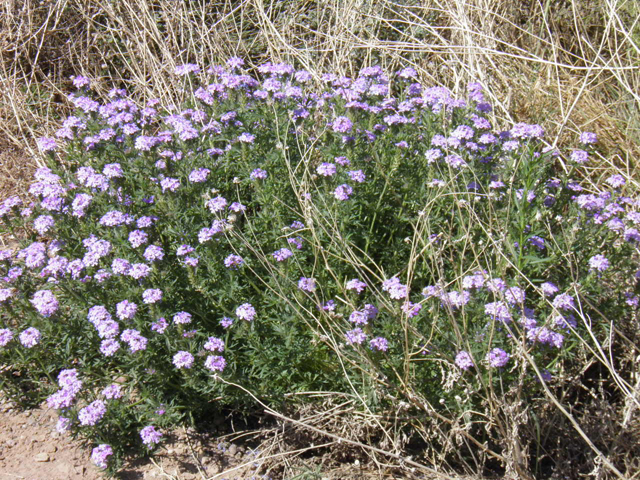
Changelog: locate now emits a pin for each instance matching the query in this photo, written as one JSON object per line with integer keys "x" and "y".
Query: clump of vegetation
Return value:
{"x": 375, "y": 237}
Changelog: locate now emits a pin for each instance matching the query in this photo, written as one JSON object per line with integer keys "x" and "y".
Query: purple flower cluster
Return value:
{"x": 150, "y": 436}
{"x": 92, "y": 413}
{"x": 45, "y": 303}
{"x": 497, "y": 358}
{"x": 30, "y": 337}
{"x": 246, "y": 312}
{"x": 100, "y": 454}
{"x": 307, "y": 284}
{"x": 70, "y": 385}
{"x": 215, "y": 363}
{"x": 183, "y": 359}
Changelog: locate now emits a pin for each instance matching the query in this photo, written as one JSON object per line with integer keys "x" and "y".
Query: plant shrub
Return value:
{"x": 373, "y": 236}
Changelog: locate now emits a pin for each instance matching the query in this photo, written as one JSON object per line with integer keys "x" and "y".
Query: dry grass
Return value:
{"x": 571, "y": 65}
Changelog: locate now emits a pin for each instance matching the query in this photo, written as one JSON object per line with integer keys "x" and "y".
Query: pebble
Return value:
{"x": 233, "y": 449}
{"x": 42, "y": 457}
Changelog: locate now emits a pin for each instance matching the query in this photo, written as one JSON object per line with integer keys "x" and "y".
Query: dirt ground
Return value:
{"x": 32, "y": 449}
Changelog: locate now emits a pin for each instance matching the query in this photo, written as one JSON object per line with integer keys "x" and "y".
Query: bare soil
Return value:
{"x": 32, "y": 449}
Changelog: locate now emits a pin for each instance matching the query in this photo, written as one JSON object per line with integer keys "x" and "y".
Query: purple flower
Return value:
{"x": 358, "y": 317}
{"x": 564, "y": 301}
{"x": 307, "y": 284}
{"x": 80, "y": 203}
{"x": 92, "y": 413}
{"x": 342, "y": 125}
{"x": 144, "y": 222}
{"x": 169, "y": 184}
{"x": 30, "y": 337}
{"x": 343, "y": 192}
{"x": 226, "y": 322}
{"x": 6, "y": 336}
{"x": 344, "y": 161}
{"x": 355, "y": 336}
{"x": 246, "y": 138}
{"x": 183, "y": 359}
{"x": 113, "y": 391}
{"x": 125, "y": 310}
{"x": 215, "y": 363}
{"x": 80, "y": 81}
{"x": 150, "y": 436}
{"x": 120, "y": 266}
{"x": 246, "y": 312}
{"x": 380, "y": 344}
{"x": 357, "y": 176}
{"x": 356, "y": 284}
{"x": 258, "y": 174}
{"x": 152, "y": 295}
{"x": 214, "y": 344}
{"x": 186, "y": 69}
{"x": 137, "y": 238}
{"x": 548, "y": 289}
{"x": 153, "y": 253}
{"x": 463, "y": 360}
{"x": 497, "y": 358}
{"x": 99, "y": 455}
{"x": 45, "y": 302}
{"x": 237, "y": 207}
{"x": 63, "y": 425}
{"x": 599, "y": 263}
{"x": 282, "y": 254}
{"x": 616, "y": 181}
{"x": 233, "y": 261}
{"x": 112, "y": 170}
{"x": 182, "y": 318}
{"x": 113, "y": 218}
{"x": 199, "y": 175}
{"x": 159, "y": 325}
{"x": 579, "y": 156}
{"x": 135, "y": 341}
{"x": 498, "y": 311}
{"x": 537, "y": 242}
{"x": 43, "y": 224}
{"x": 326, "y": 169}
{"x": 47, "y": 144}
{"x": 109, "y": 347}
{"x": 297, "y": 241}
{"x": 184, "y": 250}
{"x": 588, "y": 138}
{"x": 35, "y": 255}
{"x": 217, "y": 204}
{"x": 396, "y": 289}
{"x": 411, "y": 309}
{"x": 514, "y": 295}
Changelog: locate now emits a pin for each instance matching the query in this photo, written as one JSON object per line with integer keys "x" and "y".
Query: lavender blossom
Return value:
{"x": 183, "y": 359}
{"x": 30, "y": 337}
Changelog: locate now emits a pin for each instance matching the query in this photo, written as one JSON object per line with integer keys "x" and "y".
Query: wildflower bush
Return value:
{"x": 373, "y": 237}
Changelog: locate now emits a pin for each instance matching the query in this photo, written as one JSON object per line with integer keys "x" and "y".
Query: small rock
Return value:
{"x": 10, "y": 443}
{"x": 233, "y": 449}
{"x": 50, "y": 448}
{"x": 42, "y": 457}
{"x": 213, "y": 468}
